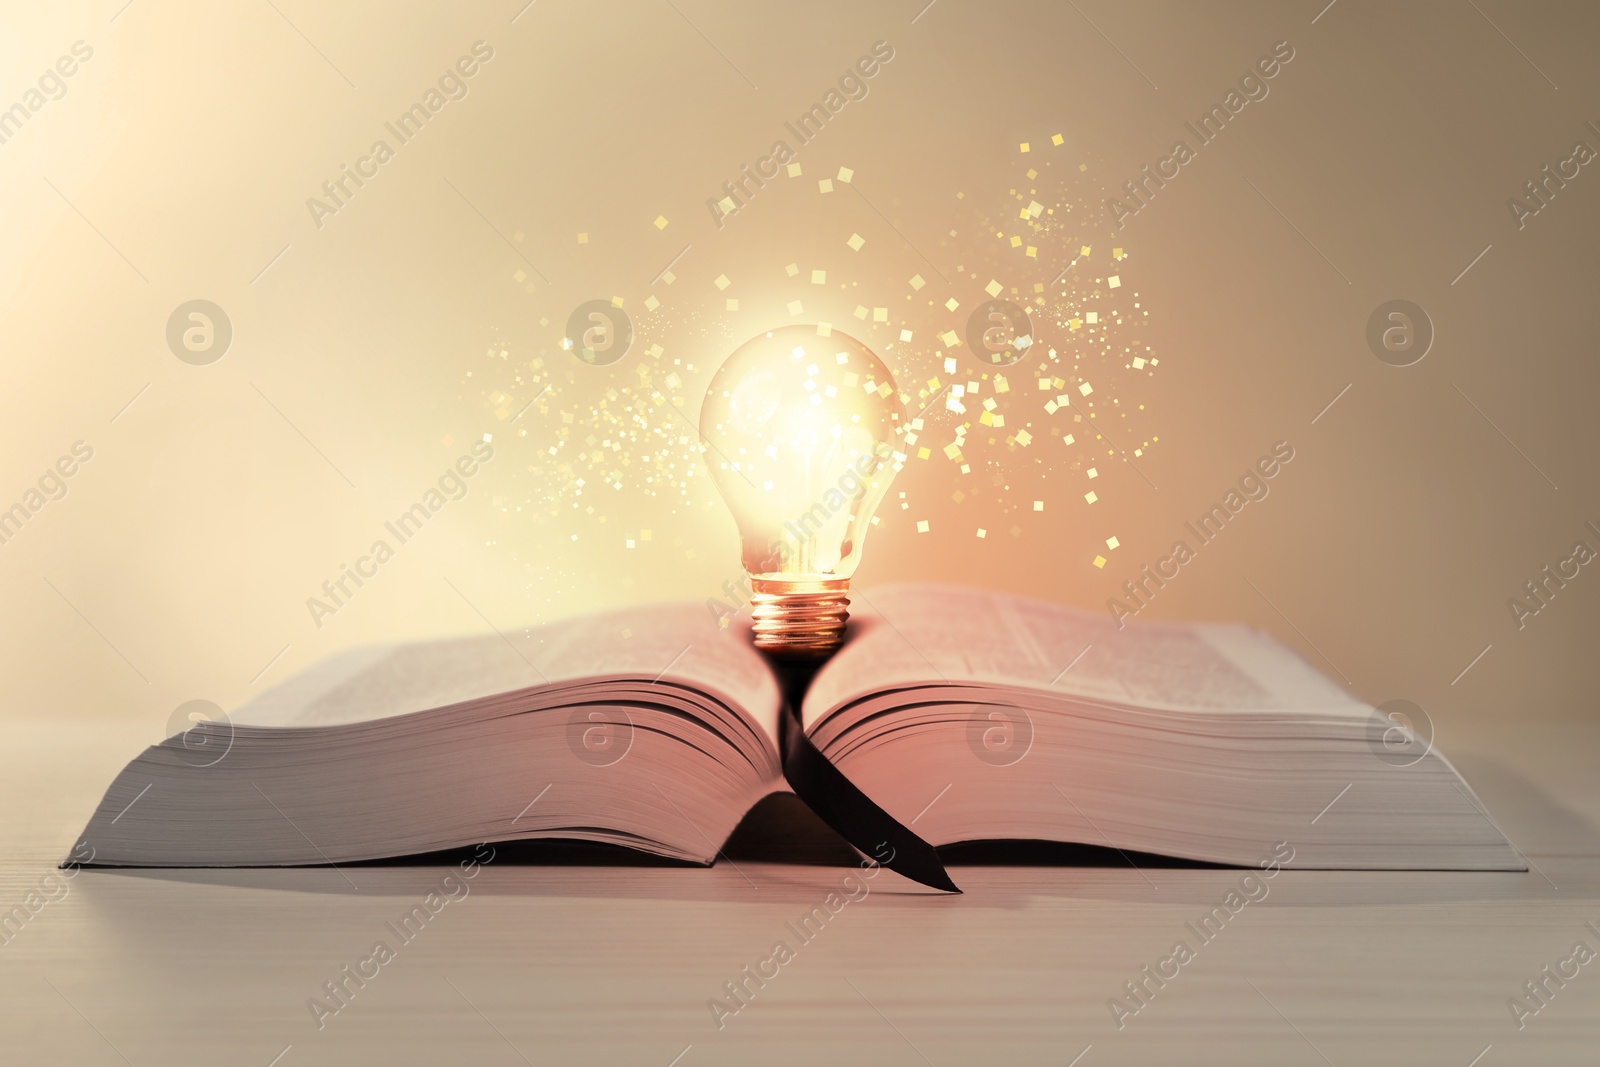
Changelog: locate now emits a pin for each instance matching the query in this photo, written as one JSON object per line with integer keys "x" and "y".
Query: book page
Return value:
{"x": 915, "y": 635}
{"x": 672, "y": 643}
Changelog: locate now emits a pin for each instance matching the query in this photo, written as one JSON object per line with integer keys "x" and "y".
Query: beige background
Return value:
{"x": 193, "y": 138}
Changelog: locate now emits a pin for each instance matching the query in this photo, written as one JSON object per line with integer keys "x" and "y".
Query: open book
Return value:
{"x": 967, "y": 715}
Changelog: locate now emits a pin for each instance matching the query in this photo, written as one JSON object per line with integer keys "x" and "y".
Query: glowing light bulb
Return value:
{"x": 801, "y": 434}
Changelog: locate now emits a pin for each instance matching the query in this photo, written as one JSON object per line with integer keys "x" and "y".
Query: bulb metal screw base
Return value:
{"x": 802, "y": 618}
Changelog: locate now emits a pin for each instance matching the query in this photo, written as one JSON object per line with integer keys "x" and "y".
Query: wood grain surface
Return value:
{"x": 576, "y": 957}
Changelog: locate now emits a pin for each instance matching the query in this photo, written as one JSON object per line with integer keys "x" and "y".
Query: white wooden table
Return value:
{"x": 616, "y": 963}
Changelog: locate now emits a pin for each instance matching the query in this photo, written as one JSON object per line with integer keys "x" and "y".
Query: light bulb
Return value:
{"x": 800, "y": 430}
